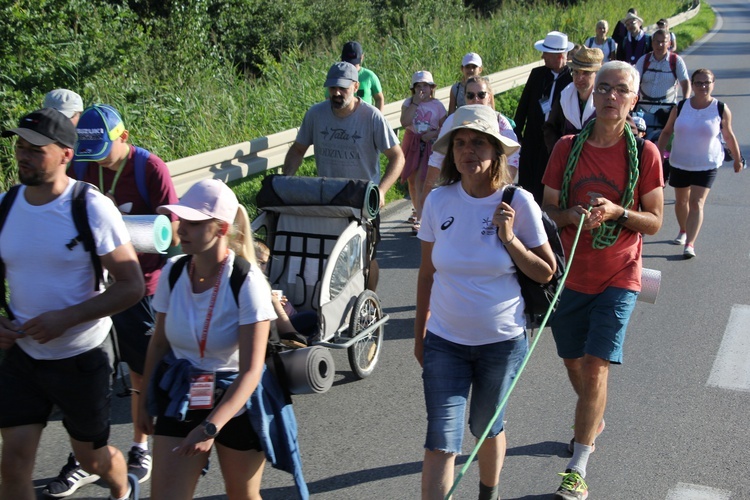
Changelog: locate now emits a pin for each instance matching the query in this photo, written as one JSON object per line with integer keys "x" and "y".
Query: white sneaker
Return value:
{"x": 680, "y": 240}
{"x": 689, "y": 252}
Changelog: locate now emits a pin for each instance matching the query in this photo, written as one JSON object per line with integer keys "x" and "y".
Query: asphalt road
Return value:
{"x": 670, "y": 433}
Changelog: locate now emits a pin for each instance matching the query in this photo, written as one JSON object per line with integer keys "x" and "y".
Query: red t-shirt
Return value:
{"x": 604, "y": 171}
{"x": 129, "y": 201}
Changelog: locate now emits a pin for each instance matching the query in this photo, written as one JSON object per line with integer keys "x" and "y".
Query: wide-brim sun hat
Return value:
{"x": 422, "y": 77}
{"x": 555, "y": 42}
{"x": 206, "y": 199}
{"x": 480, "y": 118}
{"x": 586, "y": 59}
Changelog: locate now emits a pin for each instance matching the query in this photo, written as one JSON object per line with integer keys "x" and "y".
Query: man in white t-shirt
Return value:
{"x": 56, "y": 340}
{"x": 348, "y": 135}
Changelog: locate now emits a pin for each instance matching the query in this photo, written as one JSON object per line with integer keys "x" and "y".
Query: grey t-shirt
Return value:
{"x": 347, "y": 147}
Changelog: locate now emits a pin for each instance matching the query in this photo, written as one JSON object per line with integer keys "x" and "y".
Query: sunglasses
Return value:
{"x": 477, "y": 95}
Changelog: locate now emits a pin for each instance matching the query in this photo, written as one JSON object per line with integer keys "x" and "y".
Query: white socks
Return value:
{"x": 580, "y": 458}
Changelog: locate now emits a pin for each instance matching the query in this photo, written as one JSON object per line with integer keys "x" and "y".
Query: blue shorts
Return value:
{"x": 450, "y": 371}
{"x": 593, "y": 324}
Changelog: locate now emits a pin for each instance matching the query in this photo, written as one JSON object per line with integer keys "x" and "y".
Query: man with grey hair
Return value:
{"x": 66, "y": 102}
{"x": 348, "y": 135}
{"x": 597, "y": 177}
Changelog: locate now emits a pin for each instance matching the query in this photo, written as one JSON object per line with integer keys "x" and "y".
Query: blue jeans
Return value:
{"x": 450, "y": 370}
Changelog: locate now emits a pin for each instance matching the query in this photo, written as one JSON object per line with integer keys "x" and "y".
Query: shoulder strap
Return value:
{"x": 640, "y": 142}
{"x": 141, "y": 157}
{"x": 5, "y": 205}
{"x": 679, "y": 106}
{"x": 590, "y": 42}
{"x": 177, "y": 267}
{"x": 85, "y": 236}
{"x": 673, "y": 64}
{"x": 720, "y": 105}
{"x": 647, "y": 62}
{"x": 611, "y": 42}
{"x": 508, "y": 193}
{"x": 239, "y": 273}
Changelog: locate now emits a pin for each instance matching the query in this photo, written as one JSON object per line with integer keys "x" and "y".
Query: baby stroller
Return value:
{"x": 321, "y": 236}
{"x": 655, "y": 114}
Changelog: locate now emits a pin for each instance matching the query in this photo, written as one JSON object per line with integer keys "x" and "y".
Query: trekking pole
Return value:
{"x": 523, "y": 364}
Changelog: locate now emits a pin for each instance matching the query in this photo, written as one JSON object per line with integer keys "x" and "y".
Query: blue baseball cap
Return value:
{"x": 97, "y": 128}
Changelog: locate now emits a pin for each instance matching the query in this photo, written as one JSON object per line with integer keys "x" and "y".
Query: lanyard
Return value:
{"x": 111, "y": 191}
{"x": 210, "y": 312}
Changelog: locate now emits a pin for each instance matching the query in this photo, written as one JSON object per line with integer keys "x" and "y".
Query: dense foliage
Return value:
{"x": 194, "y": 75}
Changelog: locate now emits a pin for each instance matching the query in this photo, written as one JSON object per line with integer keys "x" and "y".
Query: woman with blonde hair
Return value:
{"x": 207, "y": 355}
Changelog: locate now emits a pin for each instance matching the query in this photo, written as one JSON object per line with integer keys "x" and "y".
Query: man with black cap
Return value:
{"x": 370, "y": 89}
{"x": 56, "y": 333}
{"x": 348, "y": 135}
{"x": 541, "y": 92}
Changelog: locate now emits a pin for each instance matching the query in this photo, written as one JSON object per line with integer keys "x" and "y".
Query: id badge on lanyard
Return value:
{"x": 202, "y": 388}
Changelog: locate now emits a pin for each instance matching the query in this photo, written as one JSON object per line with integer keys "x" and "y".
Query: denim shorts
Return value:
{"x": 450, "y": 371}
{"x": 593, "y": 324}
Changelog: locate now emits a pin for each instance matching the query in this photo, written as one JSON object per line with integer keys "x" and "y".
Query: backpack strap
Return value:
{"x": 646, "y": 62}
{"x": 239, "y": 272}
{"x": 720, "y": 105}
{"x": 679, "y": 106}
{"x": 140, "y": 159}
{"x": 85, "y": 236}
{"x": 5, "y": 205}
{"x": 508, "y": 193}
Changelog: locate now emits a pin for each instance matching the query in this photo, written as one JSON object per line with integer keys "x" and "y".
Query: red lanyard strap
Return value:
{"x": 210, "y": 312}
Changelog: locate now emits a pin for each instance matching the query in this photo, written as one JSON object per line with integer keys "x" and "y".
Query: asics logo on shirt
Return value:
{"x": 447, "y": 223}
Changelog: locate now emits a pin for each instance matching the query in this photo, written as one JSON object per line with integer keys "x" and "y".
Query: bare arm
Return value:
{"x": 647, "y": 221}
{"x": 424, "y": 291}
{"x": 685, "y": 86}
{"x": 537, "y": 263}
{"x": 379, "y": 100}
{"x": 667, "y": 131}
{"x": 294, "y": 158}
{"x": 429, "y": 182}
{"x": 731, "y": 139}
{"x": 128, "y": 288}
{"x": 408, "y": 112}
{"x": 392, "y": 171}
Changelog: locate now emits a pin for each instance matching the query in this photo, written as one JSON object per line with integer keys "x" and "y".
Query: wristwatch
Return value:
{"x": 210, "y": 430}
{"x": 623, "y": 218}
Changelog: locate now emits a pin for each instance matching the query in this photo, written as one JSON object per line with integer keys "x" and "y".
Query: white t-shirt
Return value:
{"x": 186, "y": 315}
{"x": 475, "y": 297}
{"x": 696, "y": 145}
{"x": 45, "y": 275}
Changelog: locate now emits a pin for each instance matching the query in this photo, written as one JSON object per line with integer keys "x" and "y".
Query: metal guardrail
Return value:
{"x": 265, "y": 153}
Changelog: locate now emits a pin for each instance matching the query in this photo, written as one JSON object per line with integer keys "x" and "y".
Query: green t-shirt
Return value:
{"x": 369, "y": 85}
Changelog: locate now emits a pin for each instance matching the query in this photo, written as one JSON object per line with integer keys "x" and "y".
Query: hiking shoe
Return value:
{"x": 689, "y": 252}
{"x": 573, "y": 487}
{"x": 139, "y": 463}
{"x": 71, "y": 477}
{"x": 599, "y": 430}
{"x": 681, "y": 239}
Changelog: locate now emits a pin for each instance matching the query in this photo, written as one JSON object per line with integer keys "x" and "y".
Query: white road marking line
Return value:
{"x": 731, "y": 368}
{"x": 695, "y": 492}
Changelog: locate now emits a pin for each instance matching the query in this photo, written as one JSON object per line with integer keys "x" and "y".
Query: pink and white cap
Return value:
{"x": 206, "y": 199}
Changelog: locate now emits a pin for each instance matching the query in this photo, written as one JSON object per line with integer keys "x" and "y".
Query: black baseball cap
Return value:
{"x": 352, "y": 53}
{"x": 45, "y": 126}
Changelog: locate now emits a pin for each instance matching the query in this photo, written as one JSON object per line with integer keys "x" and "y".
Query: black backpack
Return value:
{"x": 539, "y": 296}
{"x": 81, "y": 221}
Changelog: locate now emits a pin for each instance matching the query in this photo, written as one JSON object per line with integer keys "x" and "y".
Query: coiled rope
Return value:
{"x": 607, "y": 233}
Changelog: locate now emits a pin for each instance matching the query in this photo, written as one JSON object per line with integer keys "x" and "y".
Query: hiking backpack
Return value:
{"x": 539, "y": 296}
{"x": 672, "y": 63}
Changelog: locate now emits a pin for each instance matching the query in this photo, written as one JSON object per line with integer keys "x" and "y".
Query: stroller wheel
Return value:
{"x": 365, "y": 353}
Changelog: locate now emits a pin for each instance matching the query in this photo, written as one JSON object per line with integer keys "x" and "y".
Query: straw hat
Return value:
{"x": 586, "y": 59}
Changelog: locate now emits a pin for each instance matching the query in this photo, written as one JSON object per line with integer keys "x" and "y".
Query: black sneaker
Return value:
{"x": 139, "y": 463}
{"x": 71, "y": 478}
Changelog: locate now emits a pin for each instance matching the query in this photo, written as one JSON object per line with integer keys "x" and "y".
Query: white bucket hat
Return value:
{"x": 480, "y": 118}
{"x": 555, "y": 42}
{"x": 422, "y": 77}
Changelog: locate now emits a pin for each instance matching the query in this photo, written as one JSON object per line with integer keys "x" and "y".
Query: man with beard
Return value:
{"x": 348, "y": 135}
{"x": 56, "y": 332}
{"x": 540, "y": 94}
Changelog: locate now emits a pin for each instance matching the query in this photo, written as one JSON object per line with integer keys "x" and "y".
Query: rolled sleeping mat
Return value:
{"x": 282, "y": 190}
{"x": 149, "y": 233}
{"x": 650, "y": 283}
{"x": 309, "y": 370}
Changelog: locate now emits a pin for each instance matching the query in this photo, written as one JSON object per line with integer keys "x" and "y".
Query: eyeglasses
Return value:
{"x": 702, "y": 84}
{"x": 477, "y": 95}
{"x": 620, "y": 90}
